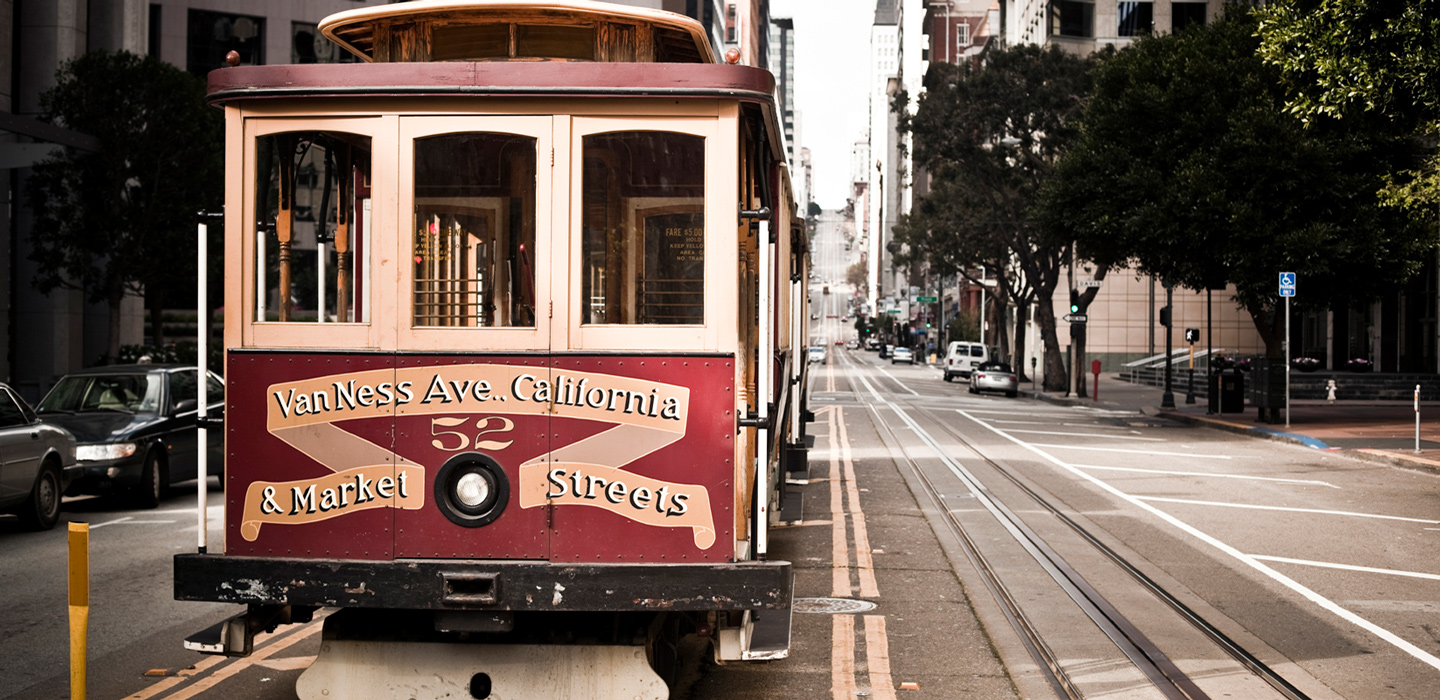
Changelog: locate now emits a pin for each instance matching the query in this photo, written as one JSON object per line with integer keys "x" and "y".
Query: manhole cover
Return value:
{"x": 831, "y": 606}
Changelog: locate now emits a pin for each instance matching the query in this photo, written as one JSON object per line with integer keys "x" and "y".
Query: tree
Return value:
{"x": 990, "y": 135}
{"x": 1364, "y": 59}
{"x": 121, "y": 219}
{"x": 1190, "y": 167}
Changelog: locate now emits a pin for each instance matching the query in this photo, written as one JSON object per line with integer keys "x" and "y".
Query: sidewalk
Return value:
{"x": 1375, "y": 430}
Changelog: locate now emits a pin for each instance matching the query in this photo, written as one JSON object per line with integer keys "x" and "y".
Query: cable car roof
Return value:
{"x": 518, "y": 30}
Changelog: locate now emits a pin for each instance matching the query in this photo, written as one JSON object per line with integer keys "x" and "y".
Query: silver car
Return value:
{"x": 994, "y": 376}
{"x": 39, "y": 462}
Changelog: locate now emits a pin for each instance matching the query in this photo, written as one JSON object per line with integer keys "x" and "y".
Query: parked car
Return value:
{"x": 902, "y": 355}
{"x": 961, "y": 358}
{"x": 817, "y": 354}
{"x": 135, "y": 427}
{"x": 39, "y": 462}
{"x": 994, "y": 376}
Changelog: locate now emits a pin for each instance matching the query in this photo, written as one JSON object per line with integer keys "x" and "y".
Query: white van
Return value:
{"x": 961, "y": 358}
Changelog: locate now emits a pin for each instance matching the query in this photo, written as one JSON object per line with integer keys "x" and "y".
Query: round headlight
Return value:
{"x": 471, "y": 490}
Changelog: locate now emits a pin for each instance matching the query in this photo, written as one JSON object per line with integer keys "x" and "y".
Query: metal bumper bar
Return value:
{"x": 436, "y": 584}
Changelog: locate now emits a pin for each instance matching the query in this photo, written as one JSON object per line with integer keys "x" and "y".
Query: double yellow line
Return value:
{"x": 846, "y": 516}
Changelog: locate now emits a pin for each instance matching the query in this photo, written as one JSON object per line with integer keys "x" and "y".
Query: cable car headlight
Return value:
{"x": 471, "y": 490}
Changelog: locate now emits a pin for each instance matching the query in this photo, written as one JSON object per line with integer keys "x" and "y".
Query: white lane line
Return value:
{"x": 1347, "y": 567}
{"x": 1088, "y": 435}
{"x": 1066, "y": 425}
{"x": 897, "y": 381}
{"x": 1117, "y": 449}
{"x": 112, "y": 522}
{"x": 1317, "y": 511}
{"x": 1325, "y": 603}
{"x": 1026, "y": 412}
{"x": 1206, "y": 475}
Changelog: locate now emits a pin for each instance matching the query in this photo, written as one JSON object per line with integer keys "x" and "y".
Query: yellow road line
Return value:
{"x": 842, "y": 657}
{"x": 877, "y": 659}
{"x": 863, "y": 559}
{"x": 839, "y": 549}
{"x": 210, "y": 681}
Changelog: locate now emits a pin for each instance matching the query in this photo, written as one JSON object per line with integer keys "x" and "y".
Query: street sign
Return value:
{"x": 1287, "y": 284}
{"x": 927, "y": 300}
{"x": 1077, "y": 318}
{"x": 1087, "y": 284}
{"x": 892, "y": 311}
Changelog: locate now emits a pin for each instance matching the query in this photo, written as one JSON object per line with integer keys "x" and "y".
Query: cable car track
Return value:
{"x": 1169, "y": 680}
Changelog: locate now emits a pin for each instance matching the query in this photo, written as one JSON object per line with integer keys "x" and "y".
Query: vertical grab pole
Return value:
{"x": 202, "y": 350}
{"x": 765, "y": 372}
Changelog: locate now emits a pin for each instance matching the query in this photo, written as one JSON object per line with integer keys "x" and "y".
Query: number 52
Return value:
{"x": 502, "y": 425}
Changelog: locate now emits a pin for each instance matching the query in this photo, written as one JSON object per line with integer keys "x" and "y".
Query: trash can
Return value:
{"x": 1227, "y": 391}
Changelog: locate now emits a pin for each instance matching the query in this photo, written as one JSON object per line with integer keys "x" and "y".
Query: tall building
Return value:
{"x": 782, "y": 64}
{"x": 885, "y": 58}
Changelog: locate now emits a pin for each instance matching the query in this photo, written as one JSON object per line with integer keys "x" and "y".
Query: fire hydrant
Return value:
{"x": 1330, "y": 390}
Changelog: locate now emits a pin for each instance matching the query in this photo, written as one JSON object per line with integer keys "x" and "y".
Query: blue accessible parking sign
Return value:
{"x": 1287, "y": 284}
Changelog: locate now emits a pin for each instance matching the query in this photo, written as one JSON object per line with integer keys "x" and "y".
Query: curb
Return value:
{"x": 1250, "y": 430}
{"x": 1374, "y": 456}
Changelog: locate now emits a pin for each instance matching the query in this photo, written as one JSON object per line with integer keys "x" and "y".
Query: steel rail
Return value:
{"x": 1040, "y": 652}
{"x": 1228, "y": 645}
{"x": 1157, "y": 667}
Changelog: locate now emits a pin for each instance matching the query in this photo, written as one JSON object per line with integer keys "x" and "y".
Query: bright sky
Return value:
{"x": 832, "y": 77}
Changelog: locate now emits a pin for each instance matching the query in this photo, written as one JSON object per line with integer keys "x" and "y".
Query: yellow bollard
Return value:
{"x": 79, "y": 605}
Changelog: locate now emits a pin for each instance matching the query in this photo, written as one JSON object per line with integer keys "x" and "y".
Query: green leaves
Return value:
{"x": 121, "y": 219}
{"x": 1191, "y": 167}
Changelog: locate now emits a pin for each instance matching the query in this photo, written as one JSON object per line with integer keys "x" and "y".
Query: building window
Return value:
{"x": 1072, "y": 18}
{"x": 211, "y": 35}
{"x": 732, "y": 24}
{"x": 154, "y": 46}
{"x": 1187, "y": 14}
{"x": 1136, "y": 18}
{"x": 962, "y": 36}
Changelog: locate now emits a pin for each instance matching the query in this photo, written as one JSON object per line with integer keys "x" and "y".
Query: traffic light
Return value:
{"x": 1074, "y": 301}
{"x": 1192, "y": 335}
{"x": 1165, "y": 316}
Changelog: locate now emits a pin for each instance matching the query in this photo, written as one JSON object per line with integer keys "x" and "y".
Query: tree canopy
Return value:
{"x": 1191, "y": 167}
{"x": 121, "y": 219}
{"x": 989, "y": 134}
{"x": 1367, "y": 60}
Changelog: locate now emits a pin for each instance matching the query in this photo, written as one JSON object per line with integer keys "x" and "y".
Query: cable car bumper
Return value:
{"x": 443, "y": 584}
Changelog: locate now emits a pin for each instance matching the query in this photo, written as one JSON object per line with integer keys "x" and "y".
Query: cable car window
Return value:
{"x": 474, "y": 232}
{"x": 312, "y": 197}
{"x": 643, "y": 252}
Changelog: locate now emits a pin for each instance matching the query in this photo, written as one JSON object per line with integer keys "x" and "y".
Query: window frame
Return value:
{"x": 721, "y": 256}
{"x": 547, "y": 285}
{"x": 307, "y": 334}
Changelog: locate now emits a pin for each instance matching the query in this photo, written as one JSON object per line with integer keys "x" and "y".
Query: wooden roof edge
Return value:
{"x": 345, "y": 28}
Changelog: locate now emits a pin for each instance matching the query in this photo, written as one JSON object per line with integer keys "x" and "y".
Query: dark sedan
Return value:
{"x": 36, "y": 462}
{"x": 135, "y": 427}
